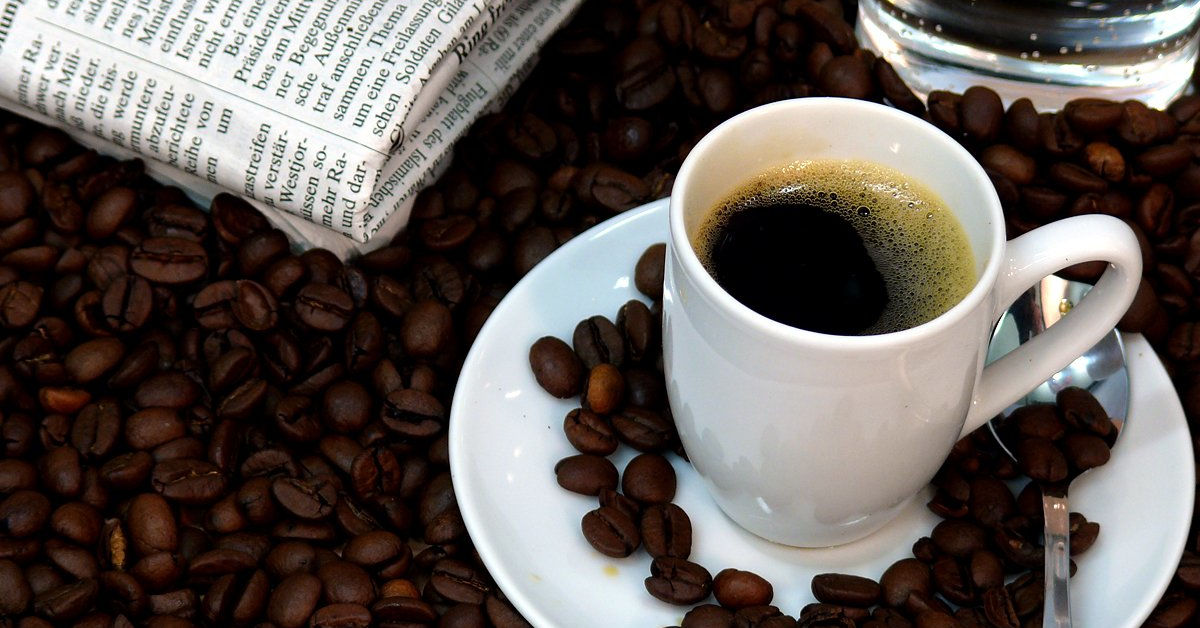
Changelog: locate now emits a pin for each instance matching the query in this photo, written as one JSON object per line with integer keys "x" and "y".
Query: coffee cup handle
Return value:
{"x": 1027, "y": 260}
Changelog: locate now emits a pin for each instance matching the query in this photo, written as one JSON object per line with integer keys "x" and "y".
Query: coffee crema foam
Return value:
{"x": 914, "y": 239}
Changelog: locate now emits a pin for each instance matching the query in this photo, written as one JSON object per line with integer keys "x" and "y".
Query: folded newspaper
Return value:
{"x": 328, "y": 114}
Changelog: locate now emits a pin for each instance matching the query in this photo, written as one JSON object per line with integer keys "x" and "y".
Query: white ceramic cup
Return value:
{"x": 811, "y": 439}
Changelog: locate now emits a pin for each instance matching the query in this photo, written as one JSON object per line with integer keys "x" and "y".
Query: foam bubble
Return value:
{"x": 916, "y": 242}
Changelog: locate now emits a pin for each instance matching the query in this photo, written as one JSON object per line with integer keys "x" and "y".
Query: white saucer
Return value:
{"x": 506, "y": 435}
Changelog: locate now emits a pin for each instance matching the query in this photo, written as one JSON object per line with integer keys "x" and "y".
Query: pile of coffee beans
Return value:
{"x": 201, "y": 427}
{"x": 291, "y": 417}
{"x": 957, "y": 575}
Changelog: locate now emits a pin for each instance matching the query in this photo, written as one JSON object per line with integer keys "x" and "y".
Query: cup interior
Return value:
{"x": 836, "y": 128}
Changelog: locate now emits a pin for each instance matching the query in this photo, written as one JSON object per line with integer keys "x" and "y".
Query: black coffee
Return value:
{"x": 838, "y": 247}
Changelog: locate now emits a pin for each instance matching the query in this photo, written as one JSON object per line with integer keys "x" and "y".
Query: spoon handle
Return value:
{"x": 1056, "y": 612}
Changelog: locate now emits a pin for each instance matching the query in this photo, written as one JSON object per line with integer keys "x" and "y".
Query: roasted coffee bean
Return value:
{"x": 1155, "y": 210}
{"x": 93, "y": 359}
{"x": 846, "y": 76}
{"x": 643, "y": 429}
{"x": 1057, "y": 136}
{"x": 68, "y": 601}
{"x": 345, "y": 408}
{"x": 254, "y": 306}
{"x": 556, "y": 367}
{"x": 609, "y": 497}
{"x": 943, "y": 111}
{"x": 1083, "y": 533}
{"x": 609, "y": 188}
{"x": 127, "y": 471}
{"x": 644, "y": 388}
{"x": 1015, "y": 165}
{"x": 1041, "y": 460}
{"x": 25, "y": 513}
{"x": 1038, "y": 420}
{"x": 152, "y": 427}
{"x": 397, "y": 609}
{"x": 959, "y": 538}
{"x": 846, "y": 589}
{"x": 1136, "y": 125}
{"x": 819, "y": 614}
{"x": 242, "y": 401}
{"x": 1092, "y": 116}
{"x": 457, "y": 581}
{"x": 1016, "y": 549}
{"x": 289, "y": 557}
{"x": 33, "y": 259}
{"x": 345, "y": 582}
{"x": 16, "y": 196}
{"x": 766, "y": 616}
{"x": 178, "y": 221}
{"x": 589, "y": 432}
{"x": 324, "y": 307}
{"x": 151, "y": 525}
{"x": 241, "y": 604}
{"x": 214, "y": 305}
{"x": 991, "y": 502}
{"x": 903, "y": 578}
{"x": 895, "y": 91}
{"x": 257, "y": 251}
{"x": 294, "y": 600}
{"x": 603, "y": 389}
{"x": 78, "y": 522}
{"x": 190, "y": 482}
{"x": 611, "y": 531}
{"x": 648, "y": 272}
{"x": 311, "y": 498}
{"x": 61, "y": 471}
{"x": 16, "y": 475}
{"x": 677, "y": 581}
{"x": 219, "y": 562}
{"x": 377, "y": 549}
{"x": 63, "y": 209}
{"x": 284, "y": 276}
{"x": 708, "y": 616}
{"x": 436, "y": 278}
{"x": 19, "y": 304}
{"x": 341, "y": 616}
{"x": 645, "y": 78}
{"x": 640, "y": 330}
{"x": 982, "y": 113}
{"x": 375, "y": 471}
{"x": 16, "y": 595}
{"x": 169, "y": 260}
{"x": 108, "y": 212}
{"x": 627, "y": 138}
{"x": 649, "y": 478}
{"x": 1075, "y": 178}
{"x": 586, "y": 474}
{"x": 666, "y": 530}
{"x": 736, "y": 589}
{"x": 1084, "y": 451}
{"x": 364, "y": 342}
{"x": 14, "y": 236}
{"x": 824, "y": 24}
{"x": 426, "y": 329}
{"x": 952, "y": 581}
{"x": 501, "y": 613}
{"x": 531, "y": 246}
{"x": 413, "y": 413}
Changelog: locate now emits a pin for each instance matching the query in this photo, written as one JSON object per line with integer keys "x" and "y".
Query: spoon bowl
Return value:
{"x": 1100, "y": 371}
